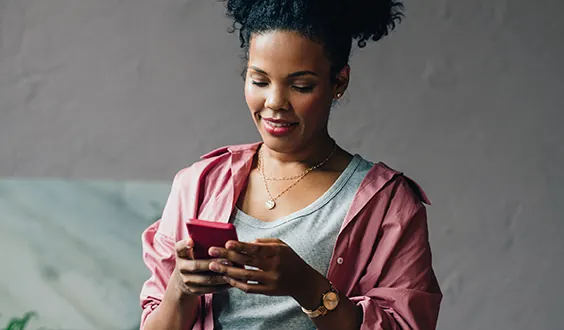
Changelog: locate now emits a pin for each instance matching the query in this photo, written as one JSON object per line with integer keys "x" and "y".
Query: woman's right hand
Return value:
{"x": 193, "y": 277}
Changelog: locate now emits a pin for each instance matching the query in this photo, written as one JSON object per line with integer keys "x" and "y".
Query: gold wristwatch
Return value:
{"x": 329, "y": 301}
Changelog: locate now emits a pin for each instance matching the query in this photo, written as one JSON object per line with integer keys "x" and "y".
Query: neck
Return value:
{"x": 297, "y": 159}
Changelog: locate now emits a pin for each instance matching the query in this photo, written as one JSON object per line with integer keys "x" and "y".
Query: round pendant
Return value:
{"x": 270, "y": 204}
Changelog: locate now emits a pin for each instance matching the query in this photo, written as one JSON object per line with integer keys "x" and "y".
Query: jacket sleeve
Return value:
{"x": 159, "y": 255}
{"x": 405, "y": 293}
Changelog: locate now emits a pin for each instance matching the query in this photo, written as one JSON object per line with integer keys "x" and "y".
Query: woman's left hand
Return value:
{"x": 281, "y": 271}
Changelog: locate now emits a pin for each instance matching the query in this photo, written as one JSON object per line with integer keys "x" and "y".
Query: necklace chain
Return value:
{"x": 286, "y": 178}
{"x": 271, "y": 203}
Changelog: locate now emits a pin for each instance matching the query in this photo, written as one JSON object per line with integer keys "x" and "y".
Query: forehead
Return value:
{"x": 284, "y": 52}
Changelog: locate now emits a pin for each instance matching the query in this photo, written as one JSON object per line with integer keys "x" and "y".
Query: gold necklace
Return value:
{"x": 286, "y": 178}
{"x": 271, "y": 202}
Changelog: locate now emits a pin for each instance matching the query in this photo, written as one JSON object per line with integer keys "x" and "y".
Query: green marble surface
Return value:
{"x": 71, "y": 251}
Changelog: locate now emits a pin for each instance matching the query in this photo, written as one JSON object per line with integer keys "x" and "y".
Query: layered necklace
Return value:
{"x": 271, "y": 202}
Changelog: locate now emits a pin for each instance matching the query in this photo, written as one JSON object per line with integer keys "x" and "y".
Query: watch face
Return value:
{"x": 331, "y": 300}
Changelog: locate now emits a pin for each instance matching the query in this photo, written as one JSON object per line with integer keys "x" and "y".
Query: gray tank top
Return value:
{"x": 312, "y": 233}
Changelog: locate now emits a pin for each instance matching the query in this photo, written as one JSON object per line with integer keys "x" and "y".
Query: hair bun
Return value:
{"x": 239, "y": 10}
{"x": 362, "y": 20}
{"x": 372, "y": 19}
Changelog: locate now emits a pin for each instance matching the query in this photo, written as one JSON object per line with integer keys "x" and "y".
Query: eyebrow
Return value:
{"x": 291, "y": 75}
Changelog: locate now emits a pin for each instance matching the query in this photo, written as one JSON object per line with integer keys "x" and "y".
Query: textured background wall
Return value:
{"x": 466, "y": 97}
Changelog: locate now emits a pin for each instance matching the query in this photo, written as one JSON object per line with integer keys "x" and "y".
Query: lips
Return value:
{"x": 273, "y": 124}
{"x": 279, "y": 122}
{"x": 278, "y": 127}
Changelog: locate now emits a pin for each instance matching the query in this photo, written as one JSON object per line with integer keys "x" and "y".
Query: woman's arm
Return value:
{"x": 164, "y": 306}
{"x": 401, "y": 291}
{"x": 171, "y": 300}
{"x": 162, "y": 302}
{"x": 281, "y": 272}
{"x": 406, "y": 294}
{"x": 175, "y": 312}
{"x": 347, "y": 315}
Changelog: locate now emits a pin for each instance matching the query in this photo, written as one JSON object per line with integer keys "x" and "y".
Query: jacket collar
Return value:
{"x": 241, "y": 160}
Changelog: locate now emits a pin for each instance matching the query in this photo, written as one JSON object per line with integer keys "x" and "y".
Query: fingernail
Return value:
{"x": 213, "y": 252}
{"x": 214, "y": 267}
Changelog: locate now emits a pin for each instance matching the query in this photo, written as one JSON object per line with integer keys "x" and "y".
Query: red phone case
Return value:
{"x": 207, "y": 234}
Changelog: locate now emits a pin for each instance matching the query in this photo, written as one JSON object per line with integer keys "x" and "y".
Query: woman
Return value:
{"x": 329, "y": 239}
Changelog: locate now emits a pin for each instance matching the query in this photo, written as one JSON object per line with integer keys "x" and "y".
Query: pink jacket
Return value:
{"x": 381, "y": 260}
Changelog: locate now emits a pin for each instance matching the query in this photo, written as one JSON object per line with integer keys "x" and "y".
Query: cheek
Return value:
{"x": 314, "y": 105}
{"x": 254, "y": 100}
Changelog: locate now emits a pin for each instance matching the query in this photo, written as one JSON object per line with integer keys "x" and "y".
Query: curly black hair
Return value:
{"x": 332, "y": 23}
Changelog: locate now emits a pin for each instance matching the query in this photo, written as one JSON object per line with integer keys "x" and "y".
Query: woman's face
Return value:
{"x": 289, "y": 90}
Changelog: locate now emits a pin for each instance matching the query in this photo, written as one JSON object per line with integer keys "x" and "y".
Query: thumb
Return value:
{"x": 185, "y": 249}
{"x": 269, "y": 241}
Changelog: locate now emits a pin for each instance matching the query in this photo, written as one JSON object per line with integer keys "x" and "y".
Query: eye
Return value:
{"x": 260, "y": 84}
{"x": 303, "y": 89}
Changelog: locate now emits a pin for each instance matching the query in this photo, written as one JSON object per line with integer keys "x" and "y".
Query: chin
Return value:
{"x": 281, "y": 145}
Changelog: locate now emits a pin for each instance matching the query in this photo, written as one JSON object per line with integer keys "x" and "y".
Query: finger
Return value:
{"x": 203, "y": 280}
{"x": 234, "y": 256}
{"x": 184, "y": 249}
{"x": 190, "y": 244}
{"x": 241, "y": 247}
{"x": 200, "y": 290}
{"x": 269, "y": 241}
{"x": 248, "y": 288}
{"x": 242, "y": 274}
{"x": 224, "y": 262}
{"x": 190, "y": 266}
{"x": 259, "y": 250}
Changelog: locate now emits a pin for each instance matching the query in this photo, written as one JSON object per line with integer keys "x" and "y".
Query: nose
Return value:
{"x": 276, "y": 100}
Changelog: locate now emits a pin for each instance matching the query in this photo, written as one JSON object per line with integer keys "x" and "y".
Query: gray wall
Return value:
{"x": 466, "y": 97}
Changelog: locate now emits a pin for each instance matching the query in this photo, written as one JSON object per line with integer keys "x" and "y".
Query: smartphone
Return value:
{"x": 207, "y": 234}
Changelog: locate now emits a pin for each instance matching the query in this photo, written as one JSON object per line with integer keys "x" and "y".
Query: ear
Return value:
{"x": 342, "y": 81}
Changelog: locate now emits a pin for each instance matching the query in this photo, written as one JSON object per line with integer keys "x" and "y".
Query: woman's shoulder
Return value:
{"x": 231, "y": 149}
{"x": 215, "y": 162}
{"x": 384, "y": 177}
